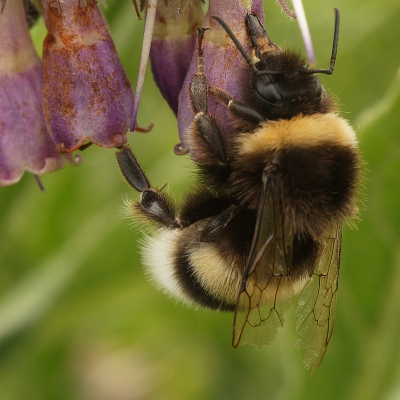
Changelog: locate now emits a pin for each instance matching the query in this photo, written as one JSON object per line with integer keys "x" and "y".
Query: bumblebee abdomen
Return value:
{"x": 203, "y": 263}
{"x": 314, "y": 162}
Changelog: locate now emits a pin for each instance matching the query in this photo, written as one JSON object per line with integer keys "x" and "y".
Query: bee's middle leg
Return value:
{"x": 205, "y": 130}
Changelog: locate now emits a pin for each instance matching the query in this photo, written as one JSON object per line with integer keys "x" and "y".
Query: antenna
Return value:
{"x": 237, "y": 43}
{"x": 328, "y": 71}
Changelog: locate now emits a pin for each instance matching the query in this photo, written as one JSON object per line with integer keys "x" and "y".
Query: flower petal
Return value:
{"x": 173, "y": 44}
{"x": 24, "y": 141}
{"x": 86, "y": 93}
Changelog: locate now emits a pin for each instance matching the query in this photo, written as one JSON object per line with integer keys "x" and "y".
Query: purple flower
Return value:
{"x": 173, "y": 44}
{"x": 24, "y": 140}
{"x": 86, "y": 93}
{"x": 225, "y": 67}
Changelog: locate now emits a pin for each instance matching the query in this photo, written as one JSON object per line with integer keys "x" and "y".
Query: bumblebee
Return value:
{"x": 263, "y": 225}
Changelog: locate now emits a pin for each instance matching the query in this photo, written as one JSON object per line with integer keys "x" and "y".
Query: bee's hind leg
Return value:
{"x": 154, "y": 204}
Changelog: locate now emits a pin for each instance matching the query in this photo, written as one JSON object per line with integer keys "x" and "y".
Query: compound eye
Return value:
{"x": 318, "y": 91}
{"x": 266, "y": 89}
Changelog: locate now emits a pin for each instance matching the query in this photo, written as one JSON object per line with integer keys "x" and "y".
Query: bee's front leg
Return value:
{"x": 236, "y": 107}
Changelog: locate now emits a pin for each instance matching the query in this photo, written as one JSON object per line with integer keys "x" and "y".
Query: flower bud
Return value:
{"x": 173, "y": 44}
{"x": 86, "y": 93}
{"x": 224, "y": 65}
{"x": 24, "y": 140}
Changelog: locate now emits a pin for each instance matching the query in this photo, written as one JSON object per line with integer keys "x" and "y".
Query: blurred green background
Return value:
{"x": 79, "y": 320}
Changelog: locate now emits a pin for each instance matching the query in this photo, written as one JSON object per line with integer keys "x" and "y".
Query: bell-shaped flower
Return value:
{"x": 87, "y": 96}
{"x": 173, "y": 44}
{"x": 25, "y": 143}
{"x": 224, "y": 65}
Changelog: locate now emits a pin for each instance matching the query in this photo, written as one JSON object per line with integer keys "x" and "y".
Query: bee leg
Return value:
{"x": 154, "y": 204}
{"x": 239, "y": 109}
{"x": 204, "y": 124}
{"x": 258, "y": 36}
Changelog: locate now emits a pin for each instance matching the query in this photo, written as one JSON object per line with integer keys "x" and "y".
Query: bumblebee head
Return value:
{"x": 282, "y": 85}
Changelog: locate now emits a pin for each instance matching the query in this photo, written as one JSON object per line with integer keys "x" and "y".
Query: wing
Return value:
{"x": 317, "y": 301}
{"x": 266, "y": 290}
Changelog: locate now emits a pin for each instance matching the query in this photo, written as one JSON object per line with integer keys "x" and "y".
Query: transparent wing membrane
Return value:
{"x": 267, "y": 290}
{"x": 316, "y": 308}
